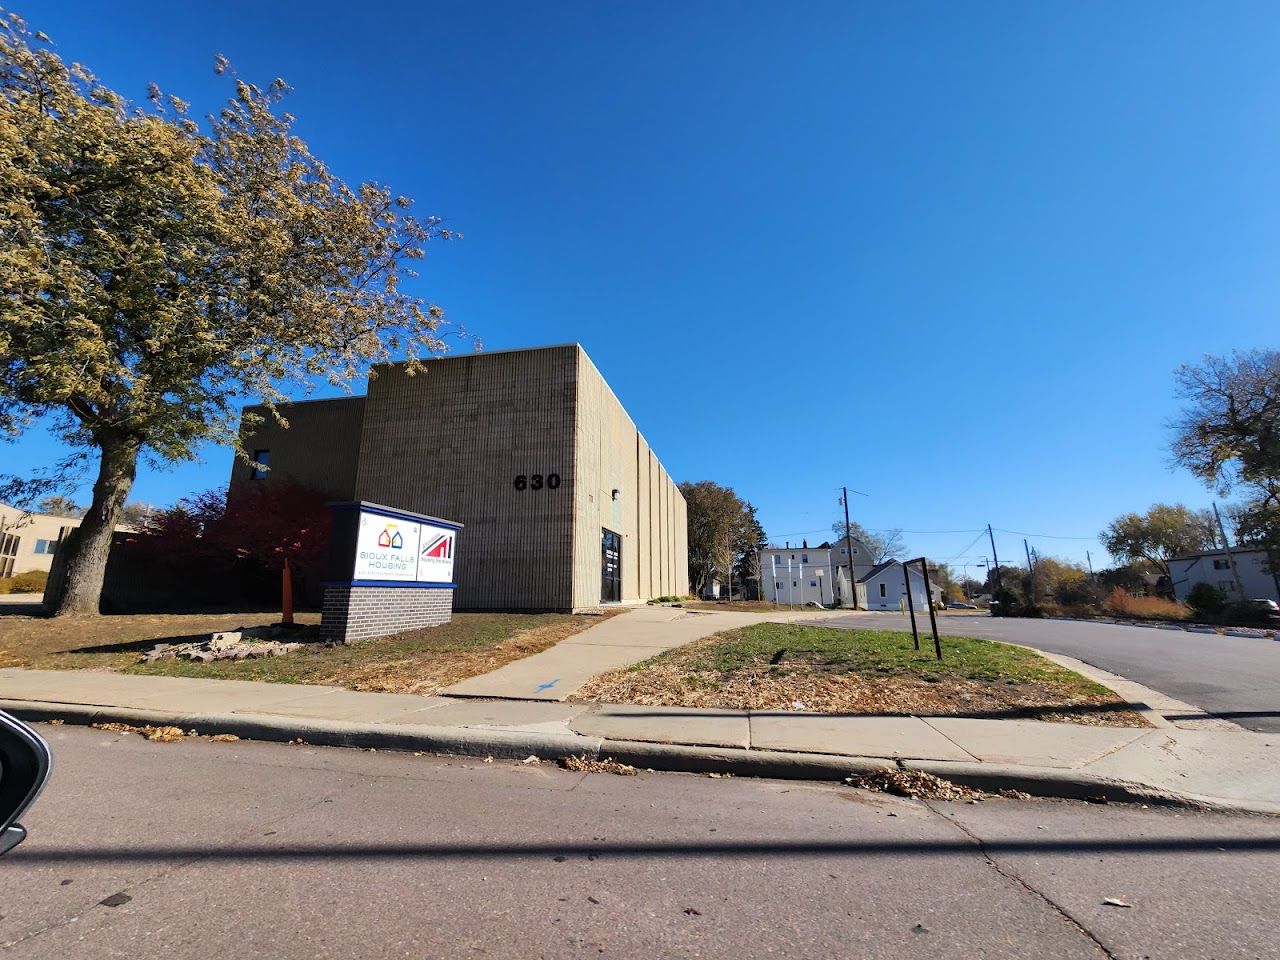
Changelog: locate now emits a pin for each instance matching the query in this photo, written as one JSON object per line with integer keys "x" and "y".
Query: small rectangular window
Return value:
{"x": 804, "y": 558}
{"x": 882, "y": 593}
{"x": 813, "y": 583}
{"x": 795, "y": 583}
{"x": 263, "y": 459}
{"x": 1220, "y": 564}
{"x": 844, "y": 551}
{"x": 1227, "y": 586}
{"x": 777, "y": 586}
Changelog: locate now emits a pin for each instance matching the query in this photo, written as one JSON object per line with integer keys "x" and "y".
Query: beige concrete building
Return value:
{"x": 564, "y": 504}
{"x": 28, "y": 541}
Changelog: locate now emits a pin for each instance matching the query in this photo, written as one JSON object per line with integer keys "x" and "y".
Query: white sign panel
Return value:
{"x": 387, "y": 548}
{"x": 394, "y": 548}
{"x": 435, "y": 554}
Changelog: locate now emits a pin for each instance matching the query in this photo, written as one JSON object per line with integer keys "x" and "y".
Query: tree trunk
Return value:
{"x": 80, "y": 564}
{"x": 286, "y": 594}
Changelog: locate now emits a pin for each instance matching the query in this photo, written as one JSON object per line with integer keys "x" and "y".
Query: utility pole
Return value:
{"x": 994, "y": 557}
{"x": 1230, "y": 557}
{"x": 1031, "y": 572}
{"x": 848, "y": 543}
{"x": 1089, "y": 559}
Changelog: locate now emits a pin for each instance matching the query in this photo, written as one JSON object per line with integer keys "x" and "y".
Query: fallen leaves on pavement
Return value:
{"x": 915, "y": 784}
{"x": 587, "y": 765}
{"x": 154, "y": 734}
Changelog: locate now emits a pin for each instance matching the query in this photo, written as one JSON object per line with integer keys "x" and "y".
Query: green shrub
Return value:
{"x": 32, "y": 581}
{"x": 1206, "y": 599}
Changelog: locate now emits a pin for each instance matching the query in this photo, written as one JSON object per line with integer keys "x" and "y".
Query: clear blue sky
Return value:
{"x": 948, "y": 254}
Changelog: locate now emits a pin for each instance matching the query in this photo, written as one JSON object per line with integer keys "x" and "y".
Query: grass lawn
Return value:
{"x": 775, "y": 666}
{"x": 418, "y": 661}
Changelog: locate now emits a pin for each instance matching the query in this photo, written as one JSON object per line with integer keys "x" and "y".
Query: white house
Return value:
{"x": 823, "y": 574}
{"x": 884, "y": 587}
{"x": 839, "y": 574}
{"x": 1212, "y": 567}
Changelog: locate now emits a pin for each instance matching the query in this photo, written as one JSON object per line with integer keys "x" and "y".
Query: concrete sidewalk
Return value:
{"x": 618, "y": 642}
{"x": 1236, "y": 770}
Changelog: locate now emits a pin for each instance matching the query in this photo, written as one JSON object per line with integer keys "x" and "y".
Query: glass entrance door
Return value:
{"x": 610, "y": 567}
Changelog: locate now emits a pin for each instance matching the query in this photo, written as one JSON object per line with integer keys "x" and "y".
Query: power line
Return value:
{"x": 1041, "y": 536}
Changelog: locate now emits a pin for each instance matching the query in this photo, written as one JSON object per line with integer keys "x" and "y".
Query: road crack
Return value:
{"x": 1013, "y": 877}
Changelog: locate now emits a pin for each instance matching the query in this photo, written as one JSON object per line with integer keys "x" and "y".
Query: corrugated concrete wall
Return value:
{"x": 320, "y": 447}
{"x": 451, "y": 442}
{"x": 612, "y": 455}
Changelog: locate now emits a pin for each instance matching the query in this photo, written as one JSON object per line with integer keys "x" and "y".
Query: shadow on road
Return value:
{"x": 499, "y": 851}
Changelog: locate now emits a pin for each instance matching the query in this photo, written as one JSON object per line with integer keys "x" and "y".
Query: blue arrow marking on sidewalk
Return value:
{"x": 546, "y": 686}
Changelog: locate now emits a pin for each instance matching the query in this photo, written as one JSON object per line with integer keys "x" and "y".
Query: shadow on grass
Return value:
{"x": 308, "y": 634}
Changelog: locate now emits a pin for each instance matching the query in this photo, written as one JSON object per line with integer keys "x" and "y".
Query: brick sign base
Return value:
{"x": 359, "y": 613}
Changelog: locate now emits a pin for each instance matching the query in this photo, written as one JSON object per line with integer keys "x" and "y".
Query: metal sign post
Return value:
{"x": 928, "y": 598}
{"x": 911, "y": 605}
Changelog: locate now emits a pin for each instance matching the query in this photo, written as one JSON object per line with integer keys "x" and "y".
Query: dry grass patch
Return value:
{"x": 805, "y": 668}
{"x": 427, "y": 675}
{"x": 416, "y": 661}
{"x": 113, "y": 641}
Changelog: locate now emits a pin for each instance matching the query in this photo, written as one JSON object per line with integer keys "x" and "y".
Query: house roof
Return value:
{"x": 1239, "y": 551}
{"x": 876, "y": 570}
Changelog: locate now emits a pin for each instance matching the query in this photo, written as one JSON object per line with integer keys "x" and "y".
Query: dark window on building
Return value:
{"x": 263, "y": 459}
{"x": 882, "y": 590}
{"x": 1220, "y": 564}
{"x": 46, "y": 546}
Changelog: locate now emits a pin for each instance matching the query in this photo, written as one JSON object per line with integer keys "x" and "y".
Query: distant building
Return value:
{"x": 843, "y": 574}
{"x": 1213, "y": 567}
{"x": 823, "y": 574}
{"x": 28, "y": 541}
{"x": 885, "y": 588}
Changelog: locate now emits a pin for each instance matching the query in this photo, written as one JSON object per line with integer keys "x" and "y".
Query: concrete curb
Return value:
{"x": 476, "y": 742}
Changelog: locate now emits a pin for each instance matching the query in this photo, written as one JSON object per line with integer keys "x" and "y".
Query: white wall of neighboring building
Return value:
{"x": 1215, "y": 569}
{"x": 797, "y": 575}
{"x": 28, "y": 541}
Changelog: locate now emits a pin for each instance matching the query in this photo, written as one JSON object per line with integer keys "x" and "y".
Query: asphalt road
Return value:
{"x": 201, "y": 850}
{"x": 1237, "y": 678}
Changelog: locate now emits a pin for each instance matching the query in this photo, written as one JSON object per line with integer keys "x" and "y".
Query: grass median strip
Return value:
{"x": 417, "y": 661}
{"x": 775, "y": 666}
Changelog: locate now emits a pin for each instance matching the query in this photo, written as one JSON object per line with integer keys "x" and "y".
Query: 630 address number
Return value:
{"x": 537, "y": 481}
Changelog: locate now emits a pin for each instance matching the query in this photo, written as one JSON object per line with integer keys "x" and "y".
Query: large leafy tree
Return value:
{"x": 157, "y": 271}
{"x": 1163, "y": 532}
{"x": 717, "y": 518}
{"x": 751, "y": 542}
{"x": 1229, "y": 437}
